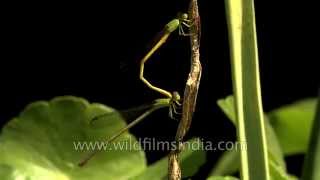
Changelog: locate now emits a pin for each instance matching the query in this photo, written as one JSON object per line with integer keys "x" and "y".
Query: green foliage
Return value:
{"x": 274, "y": 150}
{"x": 39, "y": 144}
{"x": 302, "y": 111}
{"x": 292, "y": 124}
{"x": 222, "y": 178}
{"x": 312, "y": 158}
{"x": 190, "y": 159}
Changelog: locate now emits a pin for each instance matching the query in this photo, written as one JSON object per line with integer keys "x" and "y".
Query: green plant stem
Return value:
{"x": 311, "y": 169}
{"x": 246, "y": 87}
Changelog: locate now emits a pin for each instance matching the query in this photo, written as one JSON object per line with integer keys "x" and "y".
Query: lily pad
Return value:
{"x": 44, "y": 142}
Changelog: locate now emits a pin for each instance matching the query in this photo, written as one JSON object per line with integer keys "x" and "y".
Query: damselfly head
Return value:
{"x": 175, "y": 105}
{"x": 182, "y": 16}
{"x": 176, "y": 97}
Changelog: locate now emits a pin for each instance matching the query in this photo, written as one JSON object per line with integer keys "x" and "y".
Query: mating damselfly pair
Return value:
{"x": 171, "y": 100}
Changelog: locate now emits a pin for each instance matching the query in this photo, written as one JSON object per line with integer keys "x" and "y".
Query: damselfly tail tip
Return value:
{"x": 82, "y": 163}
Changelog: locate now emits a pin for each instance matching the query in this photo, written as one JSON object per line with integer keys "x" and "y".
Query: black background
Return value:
{"x": 59, "y": 48}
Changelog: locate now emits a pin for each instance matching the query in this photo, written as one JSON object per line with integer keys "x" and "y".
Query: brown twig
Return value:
{"x": 190, "y": 92}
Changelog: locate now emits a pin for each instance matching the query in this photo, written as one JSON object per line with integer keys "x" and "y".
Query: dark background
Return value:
{"x": 53, "y": 49}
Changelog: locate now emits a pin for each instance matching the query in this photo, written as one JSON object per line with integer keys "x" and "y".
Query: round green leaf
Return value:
{"x": 43, "y": 142}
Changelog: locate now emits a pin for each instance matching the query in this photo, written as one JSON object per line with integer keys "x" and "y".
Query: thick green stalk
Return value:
{"x": 311, "y": 170}
{"x": 246, "y": 87}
